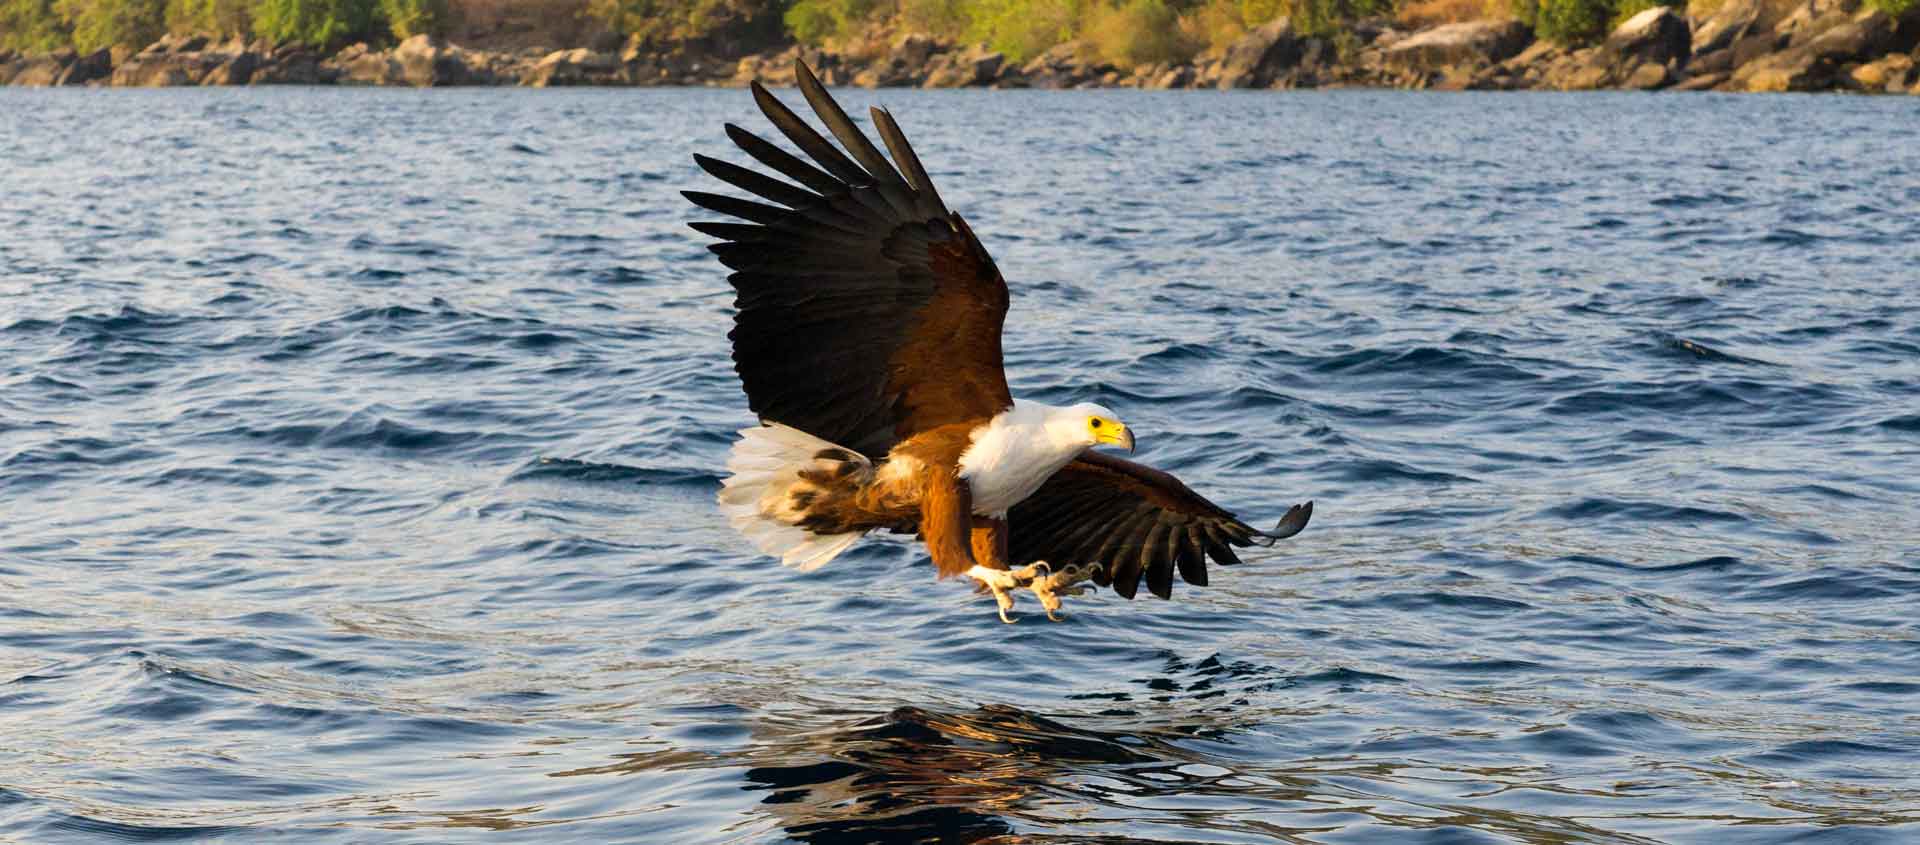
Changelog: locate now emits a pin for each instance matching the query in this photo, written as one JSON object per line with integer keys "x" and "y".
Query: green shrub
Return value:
{"x": 320, "y": 23}
{"x": 817, "y": 21}
{"x": 943, "y": 18}
{"x": 1140, "y": 32}
{"x": 105, "y": 23}
{"x": 1022, "y": 29}
{"x": 1256, "y": 12}
{"x": 1325, "y": 17}
{"x": 407, "y": 18}
{"x": 31, "y": 26}
{"x": 812, "y": 22}
{"x": 678, "y": 19}
{"x": 223, "y": 17}
{"x": 1213, "y": 23}
{"x": 1313, "y": 17}
{"x": 1566, "y": 22}
{"x": 1895, "y": 8}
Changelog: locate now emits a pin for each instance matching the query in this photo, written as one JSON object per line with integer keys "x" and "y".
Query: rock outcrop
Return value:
{"x": 1743, "y": 45}
{"x": 1893, "y": 74}
{"x": 1068, "y": 65}
{"x": 43, "y": 71}
{"x": 1645, "y": 51}
{"x": 970, "y": 68}
{"x": 86, "y": 69}
{"x": 1820, "y": 61}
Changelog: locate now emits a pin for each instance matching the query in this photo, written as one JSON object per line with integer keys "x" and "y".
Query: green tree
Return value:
{"x": 31, "y": 26}
{"x": 105, "y": 23}
{"x": 320, "y": 23}
{"x": 1314, "y": 17}
{"x": 682, "y": 19}
{"x": 1256, "y": 12}
{"x": 944, "y": 18}
{"x": 1023, "y": 29}
{"x": 1568, "y": 22}
{"x": 408, "y": 18}
{"x": 1138, "y": 32}
{"x": 220, "y": 17}
{"x": 815, "y": 21}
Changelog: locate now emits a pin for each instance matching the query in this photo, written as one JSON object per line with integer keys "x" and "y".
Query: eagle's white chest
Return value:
{"x": 1010, "y": 458}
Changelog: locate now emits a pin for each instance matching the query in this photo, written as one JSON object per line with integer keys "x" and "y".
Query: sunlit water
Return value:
{"x": 358, "y": 450}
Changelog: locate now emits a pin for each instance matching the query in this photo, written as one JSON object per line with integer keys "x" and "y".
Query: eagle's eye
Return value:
{"x": 1095, "y": 422}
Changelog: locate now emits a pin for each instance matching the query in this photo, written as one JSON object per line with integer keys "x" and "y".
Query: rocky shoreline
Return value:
{"x": 1743, "y": 45}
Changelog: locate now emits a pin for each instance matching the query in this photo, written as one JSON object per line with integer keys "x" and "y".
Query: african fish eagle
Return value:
{"x": 868, "y": 341}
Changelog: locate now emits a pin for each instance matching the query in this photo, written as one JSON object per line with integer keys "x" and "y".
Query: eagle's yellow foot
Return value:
{"x": 1002, "y": 582}
{"x": 1051, "y": 587}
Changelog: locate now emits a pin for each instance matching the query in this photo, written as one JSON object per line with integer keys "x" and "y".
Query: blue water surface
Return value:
{"x": 358, "y": 452}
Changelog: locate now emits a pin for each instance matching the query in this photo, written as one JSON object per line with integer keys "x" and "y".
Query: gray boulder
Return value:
{"x": 1457, "y": 46}
{"x": 359, "y": 64}
{"x": 292, "y": 65}
{"x": 1178, "y": 77}
{"x": 1260, "y": 56}
{"x": 236, "y": 70}
{"x": 1654, "y": 36}
{"x": 974, "y": 67}
{"x": 94, "y": 66}
{"x": 581, "y": 66}
{"x": 426, "y": 63}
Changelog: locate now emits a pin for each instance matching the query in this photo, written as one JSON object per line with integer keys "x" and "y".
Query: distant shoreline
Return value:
{"x": 1820, "y": 45}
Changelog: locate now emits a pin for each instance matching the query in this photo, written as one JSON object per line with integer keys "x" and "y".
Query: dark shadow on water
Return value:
{"x": 1000, "y": 774}
{"x": 916, "y": 775}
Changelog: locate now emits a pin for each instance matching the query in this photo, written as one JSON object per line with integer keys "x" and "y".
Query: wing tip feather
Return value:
{"x": 1294, "y": 522}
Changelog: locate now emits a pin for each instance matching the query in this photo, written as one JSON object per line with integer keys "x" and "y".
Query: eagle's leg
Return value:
{"x": 1053, "y": 585}
{"x": 990, "y": 567}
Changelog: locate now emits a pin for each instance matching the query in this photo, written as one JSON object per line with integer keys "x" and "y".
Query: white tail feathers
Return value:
{"x": 758, "y": 497}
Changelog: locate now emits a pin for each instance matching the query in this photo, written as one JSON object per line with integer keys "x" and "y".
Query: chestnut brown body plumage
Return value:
{"x": 868, "y": 342}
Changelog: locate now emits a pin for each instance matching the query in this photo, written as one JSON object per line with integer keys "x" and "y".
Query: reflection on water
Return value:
{"x": 1002, "y": 774}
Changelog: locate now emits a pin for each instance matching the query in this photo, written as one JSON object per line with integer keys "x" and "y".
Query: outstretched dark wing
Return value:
{"x": 867, "y": 311}
{"x": 1132, "y": 520}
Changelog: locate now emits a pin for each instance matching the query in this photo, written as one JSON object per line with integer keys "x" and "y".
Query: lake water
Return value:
{"x": 358, "y": 451}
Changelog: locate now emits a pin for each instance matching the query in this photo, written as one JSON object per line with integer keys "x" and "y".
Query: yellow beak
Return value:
{"x": 1118, "y": 435}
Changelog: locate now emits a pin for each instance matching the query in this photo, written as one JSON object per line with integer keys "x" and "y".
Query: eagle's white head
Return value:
{"x": 1086, "y": 425}
{"x": 1015, "y": 452}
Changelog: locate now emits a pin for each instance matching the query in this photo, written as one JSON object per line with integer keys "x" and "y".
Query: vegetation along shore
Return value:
{"x": 1868, "y": 46}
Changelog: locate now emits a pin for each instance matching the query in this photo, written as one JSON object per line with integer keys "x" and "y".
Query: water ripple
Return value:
{"x": 358, "y": 474}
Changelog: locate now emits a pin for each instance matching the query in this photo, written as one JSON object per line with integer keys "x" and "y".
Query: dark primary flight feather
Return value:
{"x": 1134, "y": 522}
{"x": 868, "y": 312}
